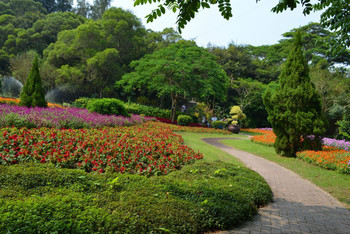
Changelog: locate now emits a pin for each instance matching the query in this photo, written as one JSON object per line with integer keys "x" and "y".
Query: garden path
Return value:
{"x": 298, "y": 205}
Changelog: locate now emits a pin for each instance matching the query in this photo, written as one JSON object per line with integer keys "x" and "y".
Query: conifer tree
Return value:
{"x": 33, "y": 93}
{"x": 294, "y": 108}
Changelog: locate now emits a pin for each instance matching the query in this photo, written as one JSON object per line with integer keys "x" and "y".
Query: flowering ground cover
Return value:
{"x": 16, "y": 102}
{"x": 340, "y": 144}
{"x": 143, "y": 149}
{"x": 37, "y": 117}
{"x": 266, "y": 137}
{"x": 178, "y": 128}
{"x": 334, "y": 159}
{"x": 335, "y": 154}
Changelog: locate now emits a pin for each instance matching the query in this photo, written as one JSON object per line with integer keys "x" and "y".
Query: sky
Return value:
{"x": 252, "y": 23}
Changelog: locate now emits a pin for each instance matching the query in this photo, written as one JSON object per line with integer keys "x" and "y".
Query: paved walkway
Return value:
{"x": 298, "y": 207}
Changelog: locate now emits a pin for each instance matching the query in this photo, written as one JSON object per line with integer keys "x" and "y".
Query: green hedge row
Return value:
{"x": 107, "y": 106}
{"x": 131, "y": 108}
{"x": 201, "y": 197}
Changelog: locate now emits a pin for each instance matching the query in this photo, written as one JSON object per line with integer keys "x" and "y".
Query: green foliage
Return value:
{"x": 236, "y": 114}
{"x": 132, "y": 108}
{"x": 32, "y": 93}
{"x": 335, "y": 16}
{"x": 93, "y": 56}
{"x": 181, "y": 68}
{"x": 295, "y": 108}
{"x": 139, "y": 109}
{"x": 108, "y": 106}
{"x": 35, "y": 198}
{"x": 344, "y": 126}
{"x": 82, "y": 102}
{"x": 218, "y": 124}
{"x": 184, "y": 120}
{"x": 187, "y": 9}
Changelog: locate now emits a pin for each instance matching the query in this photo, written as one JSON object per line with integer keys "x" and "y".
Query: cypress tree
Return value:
{"x": 294, "y": 108}
{"x": 33, "y": 93}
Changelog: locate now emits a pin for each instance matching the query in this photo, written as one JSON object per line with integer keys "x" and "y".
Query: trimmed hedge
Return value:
{"x": 132, "y": 108}
{"x": 184, "y": 120}
{"x": 201, "y": 197}
{"x": 107, "y": 106}
{"x": 218, "y": 124}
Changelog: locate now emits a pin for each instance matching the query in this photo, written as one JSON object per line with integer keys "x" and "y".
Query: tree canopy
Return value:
{"x": 179, "y": 70}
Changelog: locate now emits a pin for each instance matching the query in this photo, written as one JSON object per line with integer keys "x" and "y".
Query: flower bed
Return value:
{"x": 16, "y": 102}
{"x": 334, "y": 159}
{"x": 334, "y": 156}
{"x": 178, "y": 128}
{"x": 341, "y": 144}
{"x": 267, "y": 137}
{"x": 143, "y": 149}
{"x": 37, "y": 117}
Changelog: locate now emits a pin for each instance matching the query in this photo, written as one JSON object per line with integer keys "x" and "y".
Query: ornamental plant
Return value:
{"x": 21, "y": 116}
{"x": 184, "y": 120}
{"x": 236, "y": 115}
{"x": 142, "y": 149}
{"x": 294, "y": 108}
{"x": 108, "y": 106}
{"x": 33, "y": 93}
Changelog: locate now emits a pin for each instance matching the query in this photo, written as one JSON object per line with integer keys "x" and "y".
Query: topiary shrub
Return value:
{"x": 33, "y": 93}
{"x": 295, "y": 108}
{"x": 184, "y": 120}
{"x": 218, "y": 124}
{"x": 108, "y": 106}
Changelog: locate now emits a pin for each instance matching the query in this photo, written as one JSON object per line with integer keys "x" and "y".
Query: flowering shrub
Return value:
{"x": 143, "y": 149}
{"x": 330, "y": 159}
{"x": 61, "y": 118}
{"x": 16, "y": 101}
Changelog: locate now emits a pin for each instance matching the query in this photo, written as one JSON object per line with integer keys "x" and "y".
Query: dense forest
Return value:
{"x": 93, "y": 50}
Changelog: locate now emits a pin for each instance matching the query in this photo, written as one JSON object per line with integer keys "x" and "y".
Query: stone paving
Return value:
{"x": 298, "y": 205}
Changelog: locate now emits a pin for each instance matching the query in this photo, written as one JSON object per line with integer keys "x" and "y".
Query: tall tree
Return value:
{"x": 98, "y": 8}
{"x": 33, "y": 93}
{"x": 50, "y": 5}
{"x": 118, "y": 36}
{"x": 180, "y": 70}
{"x": 64, "y": 5}
{"x": 294, "y": 109}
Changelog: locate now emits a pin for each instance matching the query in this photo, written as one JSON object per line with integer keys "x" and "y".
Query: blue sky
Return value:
{"x": 252, "y": 23}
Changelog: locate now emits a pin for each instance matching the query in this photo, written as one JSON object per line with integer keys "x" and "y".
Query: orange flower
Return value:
{"x": 16, "y": 101}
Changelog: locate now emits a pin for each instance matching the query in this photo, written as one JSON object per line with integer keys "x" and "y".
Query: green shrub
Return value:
{"x": 107, "y": 106}
{"x": 184, "y": 120}
{"x": 199, "y": 198}
{"x": 82, "y": 102}
{"x": 139, "y": 109}
{"x": 218, "y": 124}
{"x": 33, "y": 93}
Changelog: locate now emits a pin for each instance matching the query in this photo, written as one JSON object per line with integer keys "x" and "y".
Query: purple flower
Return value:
{"x": 62, "y": 118}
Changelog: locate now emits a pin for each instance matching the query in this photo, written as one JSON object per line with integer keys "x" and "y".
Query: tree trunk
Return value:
{"x": 173, "y": 106}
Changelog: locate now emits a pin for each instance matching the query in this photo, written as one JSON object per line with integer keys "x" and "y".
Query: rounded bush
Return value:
{"x": 218, "y": 124}
{"x": 184, "y": 120}
{"x": 108, "y": 106}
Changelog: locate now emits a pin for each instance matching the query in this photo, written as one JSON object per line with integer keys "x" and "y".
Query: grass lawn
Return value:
{"x": 331, "y": 181}
{"x": 210, "y": 153}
